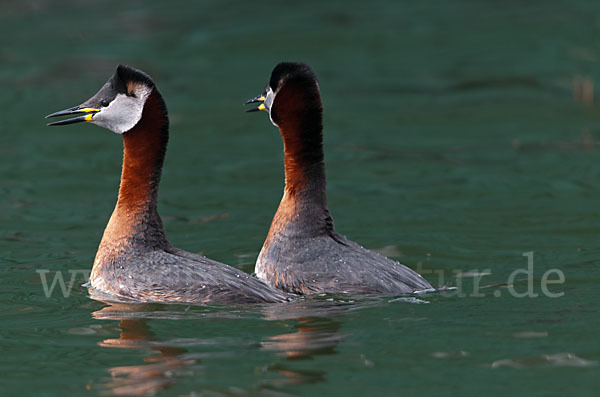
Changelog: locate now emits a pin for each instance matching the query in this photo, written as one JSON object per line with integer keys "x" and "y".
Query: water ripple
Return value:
{"x": 545, "y": 360}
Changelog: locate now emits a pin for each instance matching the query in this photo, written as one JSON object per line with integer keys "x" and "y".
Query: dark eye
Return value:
{"x": 104, "y": 103}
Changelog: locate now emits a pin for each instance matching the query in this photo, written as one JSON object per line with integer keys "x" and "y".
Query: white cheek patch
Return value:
{"x": 124, "y": 112}
{"x": 269, "y": 98}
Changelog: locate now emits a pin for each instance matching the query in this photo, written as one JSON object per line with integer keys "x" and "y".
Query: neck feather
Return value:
{"x": 144, "y": 148}
{"x": 304, "y": 165}
{"x": 303, "y": 209}
{"x": 136, "y": 215}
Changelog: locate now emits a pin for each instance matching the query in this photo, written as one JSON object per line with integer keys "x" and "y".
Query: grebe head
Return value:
{"x": 119, "y": 104}
{"x": 292, "y": 93}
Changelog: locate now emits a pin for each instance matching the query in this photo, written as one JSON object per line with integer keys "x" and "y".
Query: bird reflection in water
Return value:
{"x": 315, "y": 334}
{"x": 310, "y": 328}
{"x": 156, "y": 372}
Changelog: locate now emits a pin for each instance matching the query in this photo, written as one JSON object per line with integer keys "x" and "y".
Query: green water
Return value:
{"x": 459, "y": 136}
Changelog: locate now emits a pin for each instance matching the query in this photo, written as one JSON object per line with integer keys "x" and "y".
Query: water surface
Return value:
{"x": 459, "y": 136}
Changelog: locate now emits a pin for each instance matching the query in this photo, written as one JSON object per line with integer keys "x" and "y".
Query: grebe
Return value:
{"x": 303, "y": 253}
{"x": 135, "y": 261}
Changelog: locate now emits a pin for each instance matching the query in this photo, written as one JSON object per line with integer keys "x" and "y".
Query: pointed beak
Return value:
{"x": 256, "y": 99}
{"x": 87, "y": 115}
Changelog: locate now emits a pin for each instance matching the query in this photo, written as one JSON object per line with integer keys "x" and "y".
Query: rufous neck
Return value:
{"x": 304, "y": 161}
{"x": 135, "y": 221}
{"x": 144, "y": 148}
{"x": 303, "y": 208}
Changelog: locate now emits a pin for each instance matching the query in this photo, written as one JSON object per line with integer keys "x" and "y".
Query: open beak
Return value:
{"x": 88, "y": 113}
{"x": 256, "y": 99}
